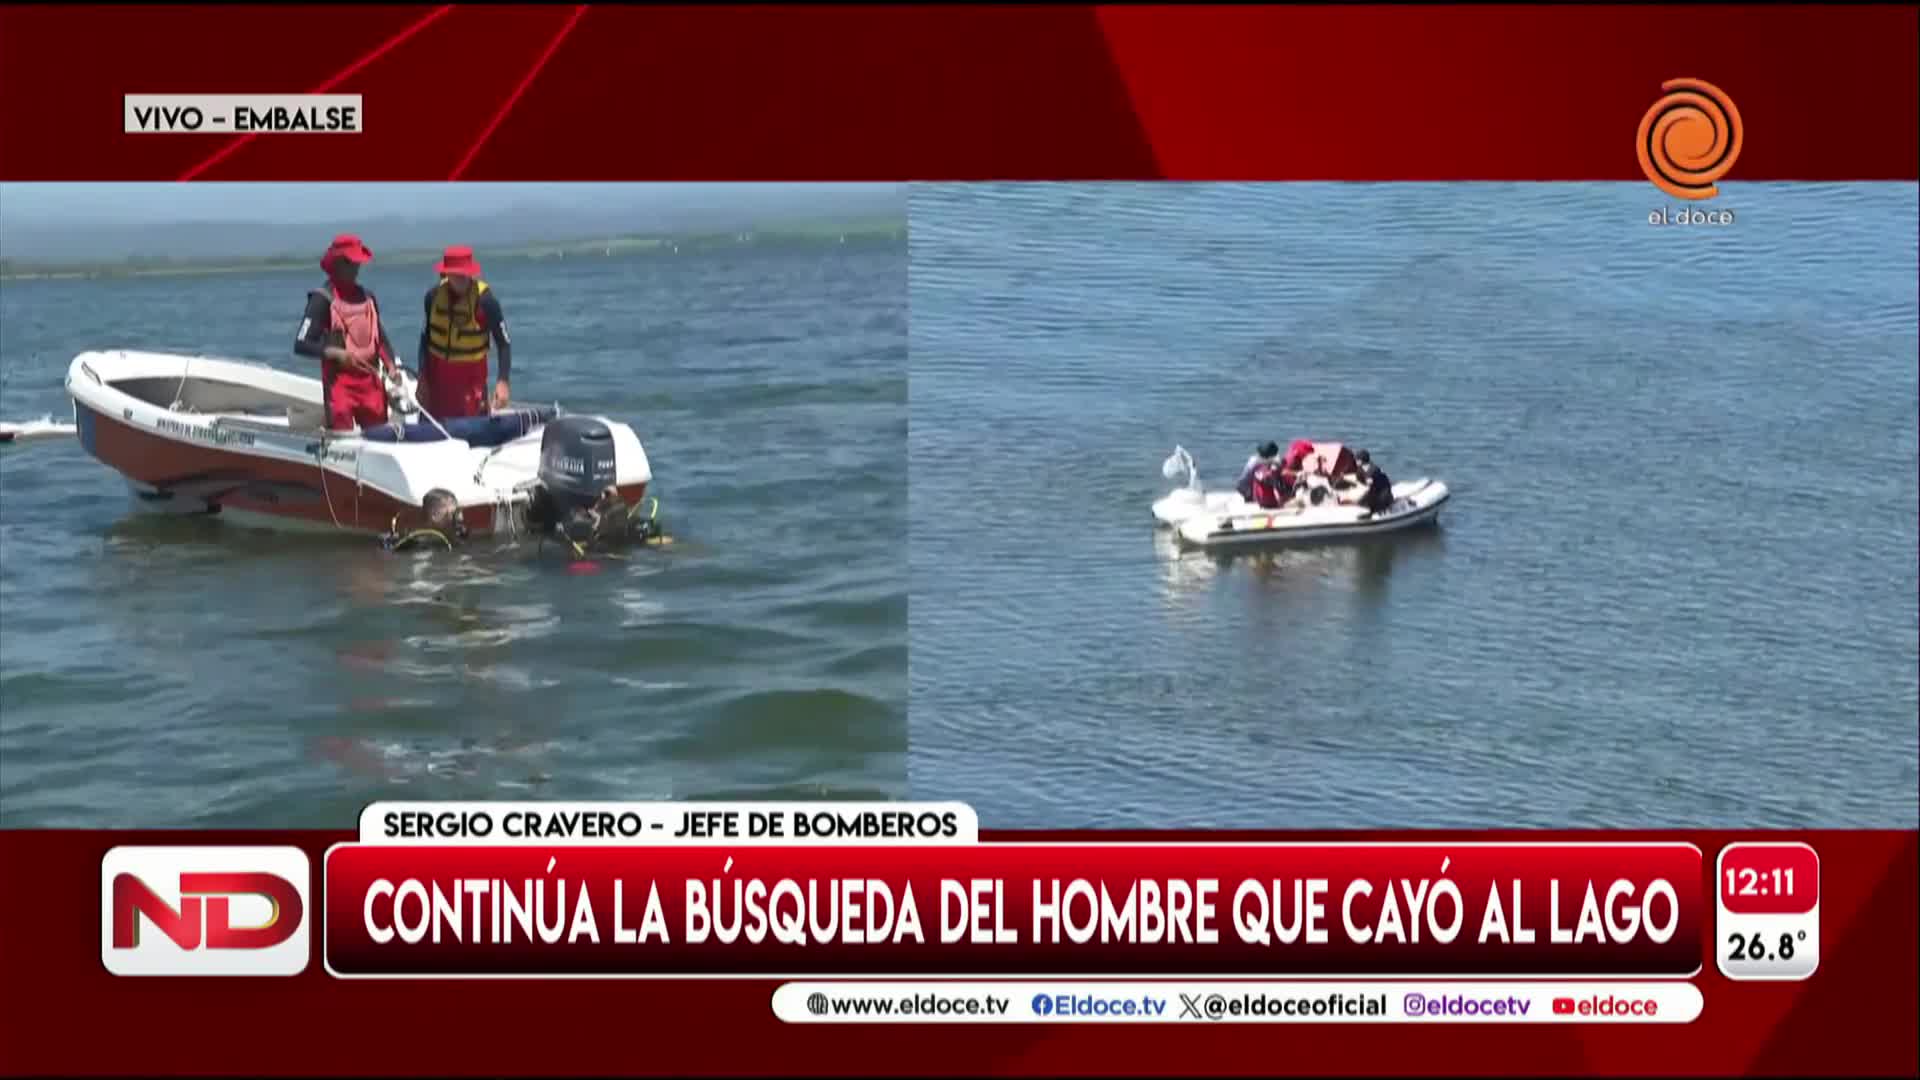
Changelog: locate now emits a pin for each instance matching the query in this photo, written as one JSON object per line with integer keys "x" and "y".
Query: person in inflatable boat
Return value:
{"x": 342, "y": 329}
{"x": 1297, "y": 455}
{"x": 1271, "y": 488}
{"x": 1295, "y": 460}
{"x": 1262, "y": 455}
{"x": 1379, "y": 487}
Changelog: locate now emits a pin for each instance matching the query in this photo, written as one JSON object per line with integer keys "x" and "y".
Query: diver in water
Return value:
{"x": 609, "y": 522}
{"x": 606, "y": 523}
{"x": 444, "y": 525}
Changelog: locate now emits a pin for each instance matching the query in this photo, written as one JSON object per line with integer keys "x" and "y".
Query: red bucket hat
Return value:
{"x": 346, "y": 246}
{"x": 458, "y": 260}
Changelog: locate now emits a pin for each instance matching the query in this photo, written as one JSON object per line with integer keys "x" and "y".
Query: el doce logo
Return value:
{"x": 205, "y": 911}
{"x": 1689, "y": 139}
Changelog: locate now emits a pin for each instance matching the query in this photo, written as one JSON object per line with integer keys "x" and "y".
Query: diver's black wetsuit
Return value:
{"x": 444, "y": 525}
{"x": 418, "y": 538}
{"x": 431, "y": 535}
{"x": 609, "y": 522}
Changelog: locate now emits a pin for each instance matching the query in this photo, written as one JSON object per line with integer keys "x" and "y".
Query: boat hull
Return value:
{"x": 1218, "y": 523}
{"x": 272, "y": 471}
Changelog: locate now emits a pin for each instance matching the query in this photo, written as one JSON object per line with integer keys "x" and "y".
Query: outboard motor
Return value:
{"x": 576, "y": 470}
{"x": 576, "y": 461}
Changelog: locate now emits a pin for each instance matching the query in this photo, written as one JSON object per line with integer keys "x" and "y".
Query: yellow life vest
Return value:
{"x": 454, "y": 331}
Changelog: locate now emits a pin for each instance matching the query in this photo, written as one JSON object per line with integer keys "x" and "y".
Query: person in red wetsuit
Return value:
{"x": 342, "y": 329}
{"x": 1262, "y": 455}
{"x": 463, "y": 318}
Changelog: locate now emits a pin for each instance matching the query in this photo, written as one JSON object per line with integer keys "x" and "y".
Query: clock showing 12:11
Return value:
{"x": 1769, "y": 911}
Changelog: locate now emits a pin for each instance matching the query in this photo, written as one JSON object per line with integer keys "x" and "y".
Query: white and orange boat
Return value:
{"x": 197, "y": 434}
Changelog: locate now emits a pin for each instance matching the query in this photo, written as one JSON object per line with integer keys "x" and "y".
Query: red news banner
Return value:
{"x": 879, "y": 891}
{"x": 469, "y": 926}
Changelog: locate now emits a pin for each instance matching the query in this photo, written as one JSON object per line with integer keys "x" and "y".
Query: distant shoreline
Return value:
{"x": 863, "y": 233}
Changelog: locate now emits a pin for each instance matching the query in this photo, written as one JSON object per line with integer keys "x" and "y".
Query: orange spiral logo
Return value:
{"x": 1689, "y": 139}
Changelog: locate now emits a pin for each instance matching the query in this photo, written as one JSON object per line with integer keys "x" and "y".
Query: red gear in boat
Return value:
{"x": 1269, "y": 488}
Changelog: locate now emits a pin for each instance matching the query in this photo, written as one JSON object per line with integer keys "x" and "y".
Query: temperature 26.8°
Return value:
{"x": 1769, "y": 911}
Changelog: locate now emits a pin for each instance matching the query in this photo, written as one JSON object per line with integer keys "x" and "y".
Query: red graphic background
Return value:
{"x": 1828, "y": 93}
{"x": 498, "y": 92}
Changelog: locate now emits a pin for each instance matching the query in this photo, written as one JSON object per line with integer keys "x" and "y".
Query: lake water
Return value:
{"x": 1676, "y": 585}
{"x": 192, "y": 673}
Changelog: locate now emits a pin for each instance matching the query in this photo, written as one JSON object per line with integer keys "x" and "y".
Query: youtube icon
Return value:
{"x": 1608, "y": 1006}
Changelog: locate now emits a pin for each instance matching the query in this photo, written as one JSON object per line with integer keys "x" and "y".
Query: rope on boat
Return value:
{"x": 321, "y": 463}
{"x": 186, "y": 366}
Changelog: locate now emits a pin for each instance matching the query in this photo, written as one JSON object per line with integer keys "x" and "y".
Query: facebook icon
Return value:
{"x": 1042, "y": 1004}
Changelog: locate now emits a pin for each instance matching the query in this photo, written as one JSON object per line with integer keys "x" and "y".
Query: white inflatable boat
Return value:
{"x": 1221, "y": 519}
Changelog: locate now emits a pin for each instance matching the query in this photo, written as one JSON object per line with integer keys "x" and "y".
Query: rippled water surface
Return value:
{"x": 1676, "y": 586}
{"x": 189, "y": 672}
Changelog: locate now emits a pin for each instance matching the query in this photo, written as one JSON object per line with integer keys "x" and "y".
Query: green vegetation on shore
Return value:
{"x": 862, "y": 233}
